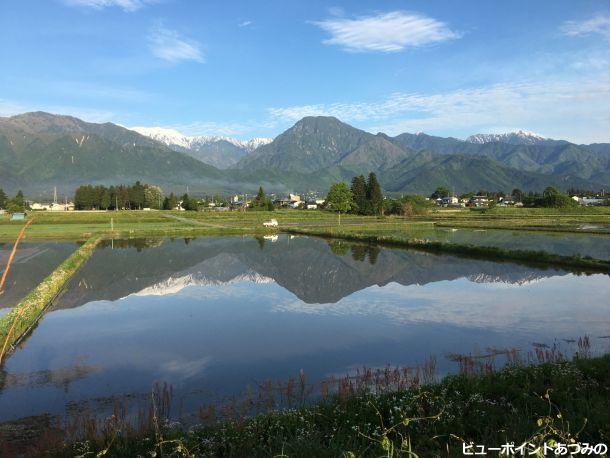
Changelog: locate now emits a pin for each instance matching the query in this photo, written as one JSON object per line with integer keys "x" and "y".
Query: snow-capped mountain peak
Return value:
{"x": 520, "y": 137}
{"x": 169, "y": 137}
{"x": 173, "y": 138}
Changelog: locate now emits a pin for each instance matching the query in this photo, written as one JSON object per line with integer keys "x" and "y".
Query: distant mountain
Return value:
{"x": 221, "y": 152}
{"x": 512, "y": 138}
{"x": 317, "y": 142}
{"x": 463, "y": 172}
{"x": 420, "y": 162}
{"x": 598, "y": 147}
{"x": 40, "y": 150}
{"x": 421, "y": 141}
{"x": 543, "y": 156}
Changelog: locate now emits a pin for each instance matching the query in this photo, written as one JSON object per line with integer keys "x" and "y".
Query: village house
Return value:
{"x": 449, "y": 201}
{"x": 53, "y": 207}
{"x": 478, "y": 201}
{"x": 590, "y": 201}
{"x": 292, "y": 201}
{"x": 311, "y": 205}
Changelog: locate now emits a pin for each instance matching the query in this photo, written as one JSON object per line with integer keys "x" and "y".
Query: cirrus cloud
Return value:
{"x": 171, "y": 46}
{"x": 385, "y": 32}
{"x": 598, "y": 25}
{"x": 126, "y": 5}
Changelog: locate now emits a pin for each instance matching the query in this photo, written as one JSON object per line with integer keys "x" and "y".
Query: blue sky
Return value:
{"x": 253, "y": 68}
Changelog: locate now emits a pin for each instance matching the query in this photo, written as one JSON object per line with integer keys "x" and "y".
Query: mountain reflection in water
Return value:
{"x": 213, "y": 315}
{"x": 314, "y": 270}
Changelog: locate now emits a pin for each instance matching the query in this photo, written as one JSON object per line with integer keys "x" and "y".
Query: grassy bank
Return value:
{"x": 559, "y": 401}
{"x": 25, "y": 314}
{"x": 480, "y": 252}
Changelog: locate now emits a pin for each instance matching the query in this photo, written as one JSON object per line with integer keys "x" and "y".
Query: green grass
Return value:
{"x": 25, "y": 314}
{"x": 78, "y": 225}
{"x": 537, "y": 404}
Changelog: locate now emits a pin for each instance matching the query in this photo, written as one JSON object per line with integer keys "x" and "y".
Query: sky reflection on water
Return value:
{"x": 212, "y": 316}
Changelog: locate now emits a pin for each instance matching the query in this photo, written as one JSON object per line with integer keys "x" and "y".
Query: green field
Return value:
{"x": 81, "y": 225}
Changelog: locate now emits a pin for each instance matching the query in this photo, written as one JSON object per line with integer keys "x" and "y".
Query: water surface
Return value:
{"x": 32, "y": 263}
{"x": 213, "y": 315}
{"x": 562, "y": 243}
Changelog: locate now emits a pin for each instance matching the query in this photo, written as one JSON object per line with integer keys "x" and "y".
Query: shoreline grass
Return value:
{"x": 552, "y": 402}
{"x": 20, "y": 319}
{"x": 586, "y": 264}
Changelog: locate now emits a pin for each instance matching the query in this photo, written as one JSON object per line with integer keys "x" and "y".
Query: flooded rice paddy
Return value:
{"x": 562, "y": 243}
{"x": 211, "y": 316}
{"x": 32, "y": 263}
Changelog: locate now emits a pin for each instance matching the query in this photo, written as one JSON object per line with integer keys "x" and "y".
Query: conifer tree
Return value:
{"x": 374, "y": 195}
{"x": 3, "y": 198}
{"x": 361, "y": 205}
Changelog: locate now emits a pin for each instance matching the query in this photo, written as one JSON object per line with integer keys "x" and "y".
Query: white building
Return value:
{"x": 588, "y": 201}
{"x": 449, "y": 201}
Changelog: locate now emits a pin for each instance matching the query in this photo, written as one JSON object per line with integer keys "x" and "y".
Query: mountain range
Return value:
{"x": 221, "y": 152}
{"x": 40, "y": 150}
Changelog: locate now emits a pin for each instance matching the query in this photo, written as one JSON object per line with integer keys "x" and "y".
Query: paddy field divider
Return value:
{"x": 24, "y": 316}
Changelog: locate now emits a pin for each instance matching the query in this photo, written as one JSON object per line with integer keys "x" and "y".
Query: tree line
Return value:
{"x": 364, "y": 197}
{"x": 14, "y": 205}
{"x": 121, "y": 197}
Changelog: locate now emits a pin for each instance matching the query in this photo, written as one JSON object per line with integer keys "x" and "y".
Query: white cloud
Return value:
{"x": 386, "y": 32}
{"x": 600, "y": 24}
{"x": 169, "y": 45}
{"x": 576, "y": 109}
{"x": 244, "y": 24}
{"x": 127, "y": 5}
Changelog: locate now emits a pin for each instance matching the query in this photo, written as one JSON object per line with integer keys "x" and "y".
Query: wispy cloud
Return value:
{"x": 126, "y": 5}
{"x": 385, "y": 32}
{"x": 244, "y": 24}
{"x": 598, "y": 25}
{"x": 228, "y": 129}
{"x": 169, "y": 45}
{"x": 542, "y": 105}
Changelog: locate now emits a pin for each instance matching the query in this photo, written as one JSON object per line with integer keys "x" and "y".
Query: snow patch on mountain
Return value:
{"x": 174, "y": 138}
{"x": 521, "y": 137}
{"x": 174, "y": 285}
